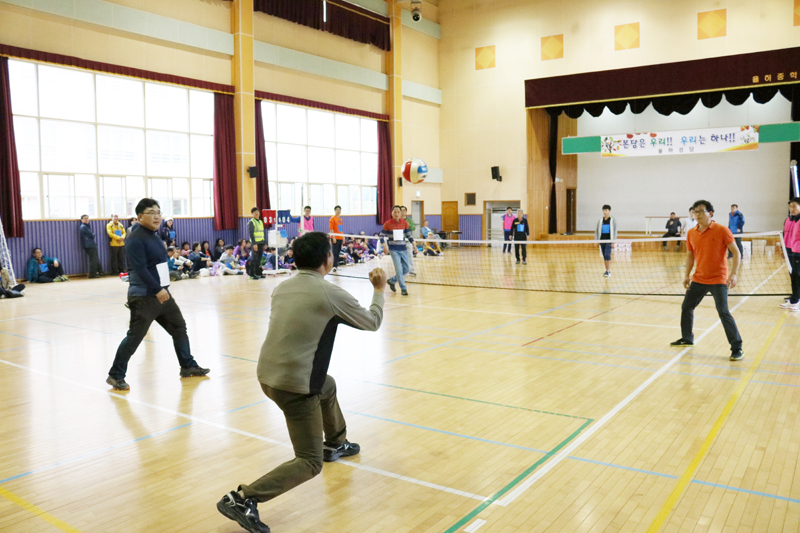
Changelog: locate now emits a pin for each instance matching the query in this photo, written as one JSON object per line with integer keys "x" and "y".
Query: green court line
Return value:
{"x": 442, "y": 394}
{"x": 472, "y": 400}
{"x": 455, "y": 527}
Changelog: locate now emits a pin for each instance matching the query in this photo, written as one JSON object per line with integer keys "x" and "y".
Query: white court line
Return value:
{"x": 484, "y": 311}
{"x": 247, "y": 433}
{"x": 592, "y": 429}
{"x": 473, "y": 527}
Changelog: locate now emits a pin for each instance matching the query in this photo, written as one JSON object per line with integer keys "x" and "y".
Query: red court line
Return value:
{"x": 590, "y": 318}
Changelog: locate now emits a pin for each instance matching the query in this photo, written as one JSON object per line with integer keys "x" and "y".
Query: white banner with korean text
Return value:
{"x": 731, "y": 139}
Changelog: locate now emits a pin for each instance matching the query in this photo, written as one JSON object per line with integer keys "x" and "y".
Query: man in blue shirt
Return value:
{"x": 736, "y": 224}
{"x": 148, "y": 297}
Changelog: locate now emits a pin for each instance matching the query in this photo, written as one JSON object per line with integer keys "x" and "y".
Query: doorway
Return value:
{"x": 449, "y": 216}
{"x": 418, "y": 215}
{"x": 572, "y": 209}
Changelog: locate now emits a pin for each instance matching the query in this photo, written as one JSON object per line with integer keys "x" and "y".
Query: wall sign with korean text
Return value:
{"x": 731, "y": 139}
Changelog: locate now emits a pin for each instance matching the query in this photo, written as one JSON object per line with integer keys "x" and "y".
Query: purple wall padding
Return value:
{"x": 470, "y": 226}
{"x": 59, "y": 238}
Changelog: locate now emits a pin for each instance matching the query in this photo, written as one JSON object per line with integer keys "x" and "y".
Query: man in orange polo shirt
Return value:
{"x": 708, "y": 244}
{"x": 335, "y": 229}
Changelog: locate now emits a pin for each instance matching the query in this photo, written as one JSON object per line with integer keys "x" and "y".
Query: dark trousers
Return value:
{"x": 117, "y": 260}
{"x": 794, "y": 260}
{"x": 336, "y": 250}
{"x": 695, "y": 295}
{"x": 52, "y": 273}
{"x": 253, "y": 267}
{"x": 308, "y": 416}
{"x": 739, "y": 246}
{"x": 144, "y": 310}
{"x": 507, "y": 239}
{"x": 666, "y": 243}
{"x": 524, "y": 248}
{"x": 94, "y": 262}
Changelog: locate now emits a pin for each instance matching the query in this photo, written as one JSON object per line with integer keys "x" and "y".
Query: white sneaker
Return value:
{"x": 607, "y": 274}
{"x": 789, "y": 305}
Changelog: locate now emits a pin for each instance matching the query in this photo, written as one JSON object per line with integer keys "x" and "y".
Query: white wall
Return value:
{"x": 758, "y": 181}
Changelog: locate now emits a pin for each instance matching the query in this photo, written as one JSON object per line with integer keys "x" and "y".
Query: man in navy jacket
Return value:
{"x": 89, "y": 246}
{"x": 736, "y": 224}
{"x": 149, "y": 298}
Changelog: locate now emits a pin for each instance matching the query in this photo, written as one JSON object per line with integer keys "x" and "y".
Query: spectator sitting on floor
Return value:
{"x": 242, "y": 251}
{"x": 269, "y": 260}
{"x": 43, "y": 269}
{"x": 199, "y": 259}
{"x": 228, "y": 263}
{"x": 219, "y": 249}
{"x": 287, "y": 261}
{"x": 179, "y": 266}
{"x": 353, "y": 252}
{"x": 8, "y": 286}
{"x": 186, "y": 250}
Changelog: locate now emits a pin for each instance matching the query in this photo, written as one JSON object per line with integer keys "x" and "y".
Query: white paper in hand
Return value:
{"x": 397, "y": 234}
{"x": 163, "y": 274}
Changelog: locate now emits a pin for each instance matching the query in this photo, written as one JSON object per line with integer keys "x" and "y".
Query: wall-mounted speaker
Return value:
{"x": 496, "y": 174}
{"x": 253, "y": 171}
{"x": 399, "y": 182}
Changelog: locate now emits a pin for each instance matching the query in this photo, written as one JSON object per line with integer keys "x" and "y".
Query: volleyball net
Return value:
{"x": 637, "y": 266}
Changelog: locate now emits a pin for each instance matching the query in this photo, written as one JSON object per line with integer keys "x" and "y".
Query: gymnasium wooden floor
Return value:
{"x": 482, "y": 410}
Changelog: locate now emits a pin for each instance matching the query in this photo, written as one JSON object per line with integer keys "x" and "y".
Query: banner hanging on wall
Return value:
{"x": 731, "y": 139}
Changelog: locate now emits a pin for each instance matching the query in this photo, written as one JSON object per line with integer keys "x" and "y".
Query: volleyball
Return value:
{"x": 415, "y": 170}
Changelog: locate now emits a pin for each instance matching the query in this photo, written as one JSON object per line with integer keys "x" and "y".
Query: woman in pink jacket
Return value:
{"x": 791, "y": 239}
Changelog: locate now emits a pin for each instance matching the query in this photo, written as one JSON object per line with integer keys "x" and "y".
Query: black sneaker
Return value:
{"x": 243, "y": 511}
{"x": 737, "y": 355}
{"x": 682, "y": 342}
{"x": 404, "y": 292}
{"x": 330, "y": 453}
{"x": 194, "y": 371}
{"x": 193, "y": 275}
{"x": 391, "y": 285}
{"x": 118, "y": 384}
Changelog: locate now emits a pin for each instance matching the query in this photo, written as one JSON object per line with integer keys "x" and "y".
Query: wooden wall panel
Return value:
{"x": 539, "y": 182}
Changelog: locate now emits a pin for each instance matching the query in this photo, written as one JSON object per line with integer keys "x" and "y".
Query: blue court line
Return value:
{"x": 447, "y": 432}
{"x": 96, "y": 452}
{"x": 697, "y": 481}
{"x": 491, "y": 329}
{"x": 120, "y": 445}
{"x": 24, "y": 337}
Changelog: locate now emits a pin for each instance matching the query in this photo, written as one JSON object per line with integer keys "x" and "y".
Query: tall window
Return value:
{"x": 96, "y": 144}
{"x": 320, "y": 159}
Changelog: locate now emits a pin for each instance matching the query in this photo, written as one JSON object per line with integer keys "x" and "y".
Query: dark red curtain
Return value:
{"x": 70, "y": 61}
{"x": 353, "y": 22}
{"x": 10, "y": 191}
{"x": 342, "y": 18}
{"x": 305, "y": 12}
{"x": 226, "y": 197}
{"x": 262, "y": 184}
{"x": 273, "y": 97}
{"x": 385, "y": 174}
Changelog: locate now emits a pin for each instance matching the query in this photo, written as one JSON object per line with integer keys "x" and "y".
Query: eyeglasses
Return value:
{"x": 700, "y": 211}
{"x": 152, "y": 213}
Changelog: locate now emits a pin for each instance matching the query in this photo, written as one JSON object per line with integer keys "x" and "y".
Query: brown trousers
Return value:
{"x": 307, "y": 416}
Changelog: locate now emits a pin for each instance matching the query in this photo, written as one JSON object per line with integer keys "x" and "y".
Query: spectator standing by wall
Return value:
{"x": 116, "y": 232}
{"x": 89, "y": 245}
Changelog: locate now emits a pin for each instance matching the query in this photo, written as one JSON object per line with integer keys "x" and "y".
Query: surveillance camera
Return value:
{"x": 416, "y": 14}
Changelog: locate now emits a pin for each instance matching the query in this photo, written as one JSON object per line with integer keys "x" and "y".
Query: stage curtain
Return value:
{"x": 385, "y": 174}
{"x": 226, "y": 196}
{"x": 262, "y": 183}
{"x": 685, "y": 103}
{"x": 108, "y": 68}
{"x": 11, "y": 196}
{"x": 353, "y": 22}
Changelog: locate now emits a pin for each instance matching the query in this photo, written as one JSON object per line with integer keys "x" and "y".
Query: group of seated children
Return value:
{"x": 359, "y": 250}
